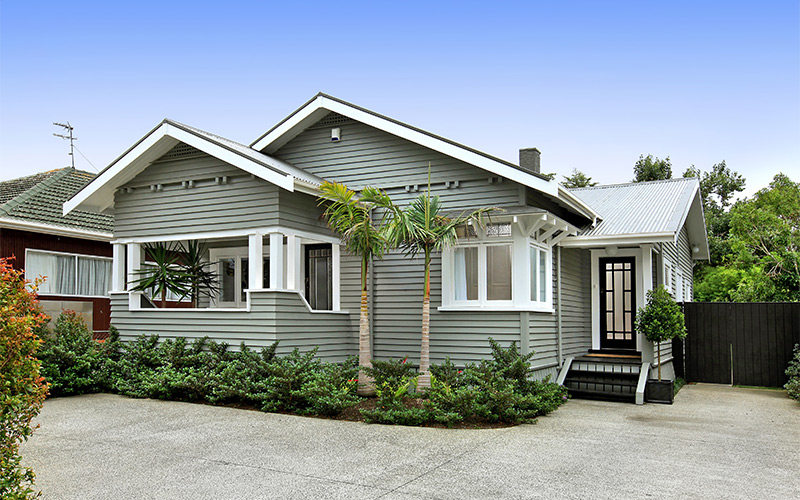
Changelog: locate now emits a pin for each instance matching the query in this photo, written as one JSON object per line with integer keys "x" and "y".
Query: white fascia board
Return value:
{"x": 99, "y": 194}
{"x": 285, "y": 181}
{"x": 272, "y": 141}
{"x": 232, "y": 233}
{"x": 577, "y": 203}
{"x": 55, "y": 230}
{"x": 617, "y": 239}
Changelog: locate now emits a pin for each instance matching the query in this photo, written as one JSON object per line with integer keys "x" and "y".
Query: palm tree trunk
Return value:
{"x": 366, "y": 386}
{"x": 163, "y": 298}
{"x": 424, "y": 380}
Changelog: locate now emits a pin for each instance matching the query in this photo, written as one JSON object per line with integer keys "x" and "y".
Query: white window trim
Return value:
{"x": 520, "y": 276}
{"x": 238, "y": 253}
{"x": 69, "y": 254}
{"x": 669, "y": 276}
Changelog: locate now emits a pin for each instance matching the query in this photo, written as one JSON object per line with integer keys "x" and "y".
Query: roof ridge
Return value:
{"x": 634, "y": 183}
{"x": 37, "y": 188}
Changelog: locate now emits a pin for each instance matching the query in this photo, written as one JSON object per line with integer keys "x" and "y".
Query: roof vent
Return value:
{"x": 530, "y": 160}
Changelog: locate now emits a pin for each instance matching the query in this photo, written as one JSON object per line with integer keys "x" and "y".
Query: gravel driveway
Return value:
{"x": 714, "y": 442}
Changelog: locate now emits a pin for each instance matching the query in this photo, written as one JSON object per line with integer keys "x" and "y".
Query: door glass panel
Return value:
{"x": 319, "y": 284}
{"x": 498, "y": 272}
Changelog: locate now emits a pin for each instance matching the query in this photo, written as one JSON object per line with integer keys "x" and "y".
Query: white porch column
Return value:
{"x": 337, "y": 274}
{"x": 255, "y": 258}
{"x": 118, "y": 268}
{"x": 134, "y": 264}
{"x": 276, "y": 261}
{"x": 293, "y": 278}
{"x": 646, "y": 283}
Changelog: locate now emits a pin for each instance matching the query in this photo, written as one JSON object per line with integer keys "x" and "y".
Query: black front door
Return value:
{"x": 617, "y": 303}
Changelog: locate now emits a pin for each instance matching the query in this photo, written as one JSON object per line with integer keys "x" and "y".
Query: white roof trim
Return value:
{"x": 98, "y": 195}
{"x": 617, "y": 239}
{"x": 55, "y": 230}
{"x": 315, "y": 109}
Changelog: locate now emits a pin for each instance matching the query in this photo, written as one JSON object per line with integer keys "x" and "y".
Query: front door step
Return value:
{"x": 607, "y": 377}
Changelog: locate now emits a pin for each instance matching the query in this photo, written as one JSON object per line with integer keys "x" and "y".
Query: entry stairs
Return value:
{"x": 608, "y": 377}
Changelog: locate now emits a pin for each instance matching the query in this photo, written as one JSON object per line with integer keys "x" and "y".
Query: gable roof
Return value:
{"x": 34, "y": 203}
{"x": 99, "y": 194}
{"x": 322, "y": 104}
{"x": 645, "y": 212}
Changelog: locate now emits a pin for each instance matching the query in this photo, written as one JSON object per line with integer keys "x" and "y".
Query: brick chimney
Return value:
{"x": 530, "y": 160}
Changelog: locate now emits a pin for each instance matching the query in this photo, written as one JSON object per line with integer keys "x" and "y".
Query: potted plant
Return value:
{"x": 660, "y": 320}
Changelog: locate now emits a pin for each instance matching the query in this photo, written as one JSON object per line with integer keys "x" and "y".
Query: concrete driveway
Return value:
{"x": 714, "y": 442}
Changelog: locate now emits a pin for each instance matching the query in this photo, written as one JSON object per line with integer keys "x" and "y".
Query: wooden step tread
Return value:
{"x": 601, "y": 373}
{"x": 603, "y": 381}
{"x": 602, "y": 395}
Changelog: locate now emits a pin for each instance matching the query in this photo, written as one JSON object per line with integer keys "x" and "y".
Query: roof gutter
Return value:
{"x": 22, "y": 225}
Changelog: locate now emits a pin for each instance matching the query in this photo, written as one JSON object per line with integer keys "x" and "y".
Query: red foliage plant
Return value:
{"x": 22, "y": 388}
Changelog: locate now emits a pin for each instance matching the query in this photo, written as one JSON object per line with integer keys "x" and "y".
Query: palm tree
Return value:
{"x": 165, "y": 275}
{"x": 353, "y": 219}
{"x": 202, "y": 279}
{"x": 422, "y": 227}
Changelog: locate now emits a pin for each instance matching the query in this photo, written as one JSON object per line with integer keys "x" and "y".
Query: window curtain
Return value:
{"x": 460, "y": 274}
{"x": 94, "y": 276}
{"x": 45, "y": 265}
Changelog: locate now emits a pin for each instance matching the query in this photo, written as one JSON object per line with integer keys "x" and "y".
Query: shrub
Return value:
{"x": 331, "y": 388}
{"x": 661, "y": 319}
{"x": 394, "y": 379}
{"x": 72, "y": 362}
{"x": 22, "y": 388}
{"x": 287, "y": 375}
{"x": 793, "y": 372}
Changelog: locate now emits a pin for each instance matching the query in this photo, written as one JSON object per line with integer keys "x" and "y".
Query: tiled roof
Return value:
{"x": 39, "y": 199}
{"x": 639, "y": 207}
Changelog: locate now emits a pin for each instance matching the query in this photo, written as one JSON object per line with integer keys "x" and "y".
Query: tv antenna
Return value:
{"x": 68, "y": 129}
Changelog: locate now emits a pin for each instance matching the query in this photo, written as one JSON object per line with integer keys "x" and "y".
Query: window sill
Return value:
{"x": 509, "y": 308}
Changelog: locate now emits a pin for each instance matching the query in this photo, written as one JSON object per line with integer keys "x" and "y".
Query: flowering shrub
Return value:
{"x": 22, "y": 389}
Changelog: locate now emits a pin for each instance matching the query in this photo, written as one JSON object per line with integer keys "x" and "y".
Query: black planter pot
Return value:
{"x": 659, "y": 391}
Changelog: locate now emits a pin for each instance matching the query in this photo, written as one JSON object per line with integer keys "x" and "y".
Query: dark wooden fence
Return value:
{"x": 736, "y": 342}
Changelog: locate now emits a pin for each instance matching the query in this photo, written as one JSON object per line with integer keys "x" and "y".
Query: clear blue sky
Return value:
{"x": 592, "y": 84}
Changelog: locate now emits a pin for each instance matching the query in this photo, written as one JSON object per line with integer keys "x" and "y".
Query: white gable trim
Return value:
{"x": 320, "y": 105}
{"x": 98, "y": 195}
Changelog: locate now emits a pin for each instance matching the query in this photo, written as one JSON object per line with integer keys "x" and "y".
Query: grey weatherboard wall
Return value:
{"x": 368, "y": 156}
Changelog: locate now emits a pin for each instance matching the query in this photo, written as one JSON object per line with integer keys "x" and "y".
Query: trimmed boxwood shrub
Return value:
{"x": 793, "y": 372}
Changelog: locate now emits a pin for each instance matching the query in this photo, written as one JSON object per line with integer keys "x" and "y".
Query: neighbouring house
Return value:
{"x": 72, "y": 251}
{"x": 561, "y": 272}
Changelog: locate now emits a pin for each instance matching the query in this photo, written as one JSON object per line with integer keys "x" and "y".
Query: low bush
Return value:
{"x": 72, "y": 362}
{"x": 499, "y": 389}
{"x": 793, "y": 372}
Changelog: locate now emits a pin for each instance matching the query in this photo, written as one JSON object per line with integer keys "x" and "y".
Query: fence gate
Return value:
{"x": 738, "y": 343}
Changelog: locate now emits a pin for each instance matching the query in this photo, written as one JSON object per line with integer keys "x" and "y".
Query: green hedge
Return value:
{"x": 496, "y": 390}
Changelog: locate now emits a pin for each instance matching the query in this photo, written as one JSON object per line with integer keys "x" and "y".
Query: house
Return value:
{"x": 559, "y": 271}
{"x": 72, "y": 250}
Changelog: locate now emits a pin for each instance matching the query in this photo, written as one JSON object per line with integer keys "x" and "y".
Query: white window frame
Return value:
{"x": 68, "y": 254}
{"x": 238, "y": 253}
{"x": 520, "y": 273}
{"x": 669, "y": 279}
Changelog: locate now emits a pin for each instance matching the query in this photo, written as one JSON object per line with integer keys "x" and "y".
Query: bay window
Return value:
{"x": 503, "y": 270}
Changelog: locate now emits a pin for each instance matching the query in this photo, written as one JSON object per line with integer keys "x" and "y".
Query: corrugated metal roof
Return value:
{"x": 639, "y": 207}
{"x": 39, "y": 198}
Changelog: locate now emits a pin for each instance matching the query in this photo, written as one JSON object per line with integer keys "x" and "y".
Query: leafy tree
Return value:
{"x": 660, "y": 320}
{"x": 717, "y": 188}
{"x": 765, "y": 233}
{"x": 354, "y": 220}
{"x": 651, "y": 168}
{"x": 422, "y": 227}
{"x": 22, "y": 388}
{"x": 577, "y": 180}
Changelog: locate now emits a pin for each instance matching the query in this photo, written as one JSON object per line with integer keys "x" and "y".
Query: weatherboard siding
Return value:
{"x": 240, "y": 201}
{"x": 680, "y": 254}
{"x": 576, "y": 308}
{"x": 273, "y": 316}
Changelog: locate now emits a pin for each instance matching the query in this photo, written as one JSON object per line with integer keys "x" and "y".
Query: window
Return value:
{"x": 539, "y": 273}
{"x": 69, "y": 274}
{"x": 503, "y": 271}
{"x": 234, "y": 279}
{"x": 668, "y": 281}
